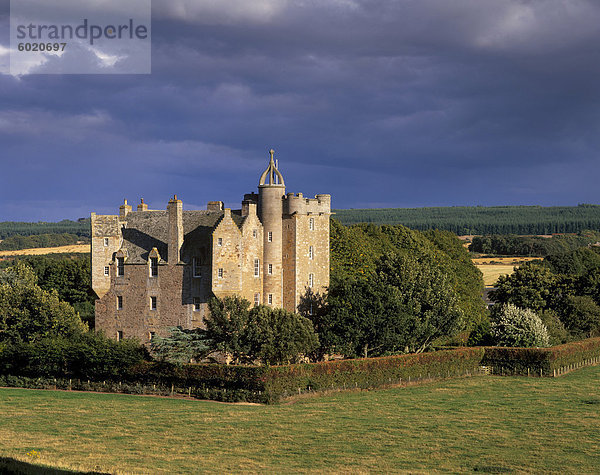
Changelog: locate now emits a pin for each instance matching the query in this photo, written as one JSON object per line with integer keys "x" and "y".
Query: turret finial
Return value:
{"x": 271, "y": 176}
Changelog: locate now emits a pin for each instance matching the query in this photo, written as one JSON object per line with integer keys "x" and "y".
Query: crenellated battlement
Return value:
{"x": 297, "y": 203}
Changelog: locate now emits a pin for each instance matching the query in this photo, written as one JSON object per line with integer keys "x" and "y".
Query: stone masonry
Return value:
{"x": 154, "y": 269}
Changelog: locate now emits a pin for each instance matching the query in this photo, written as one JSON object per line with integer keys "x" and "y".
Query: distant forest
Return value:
{"x": 482, "y": 219}
{"x": 80, "y": 228}
{"x": 460, "y": 220}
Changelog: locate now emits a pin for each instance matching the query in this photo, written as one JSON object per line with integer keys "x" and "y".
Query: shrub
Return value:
{"x": 513, "y": 326}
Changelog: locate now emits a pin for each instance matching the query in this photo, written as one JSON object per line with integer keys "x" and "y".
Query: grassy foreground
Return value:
{"x": 485, "y": 424}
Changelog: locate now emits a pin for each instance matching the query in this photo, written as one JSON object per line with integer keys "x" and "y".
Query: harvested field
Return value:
{"x": 72, "y": 249}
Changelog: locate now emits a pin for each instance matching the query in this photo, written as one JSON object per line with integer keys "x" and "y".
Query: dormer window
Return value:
{"x": 153, "y": 266}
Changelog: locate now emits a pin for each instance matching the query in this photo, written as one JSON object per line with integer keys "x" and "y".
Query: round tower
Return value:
{"x": 271, "y": 189}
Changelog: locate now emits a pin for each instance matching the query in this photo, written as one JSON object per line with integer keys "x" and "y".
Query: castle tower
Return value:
{"x": 271, "y": 189}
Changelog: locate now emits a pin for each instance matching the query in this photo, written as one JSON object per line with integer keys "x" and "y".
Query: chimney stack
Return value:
{"x": 175, "y": 212}
{"x": 124, "y": 210}
{"x": 214, "y": 206}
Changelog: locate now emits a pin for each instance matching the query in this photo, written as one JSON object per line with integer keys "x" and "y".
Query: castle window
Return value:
{"x": 311, "y": 224}
{"x": 256, "y": 267}
{"x": 311, "y": 254}
{"x": 120, "y": 266}
{"x": 270, "y": 269}
{"x": 105, "y": 242}
{"x": 311, "y": 280}
{"x": 153, "y": 300}
{"x": 196, "y": 272}
{"x": 254, "y": 233}
{"x": 219, "y": 241}
{"x": 270, "y": 299}
{"x": 220, "y": 272}
{"x": 256, "y": 299}
{"x": 119, "y": 335}
{"x": 196, "y": 304}
{"x": 153, "y": 266}
{"x": 119, "y": 302}
{"x": 151, "y": 335}
{"x": 106, "y": 271}
{"x": 270, "y": 236}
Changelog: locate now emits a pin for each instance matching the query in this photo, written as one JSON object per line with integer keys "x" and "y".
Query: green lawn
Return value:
{"x": 486, "y": 424}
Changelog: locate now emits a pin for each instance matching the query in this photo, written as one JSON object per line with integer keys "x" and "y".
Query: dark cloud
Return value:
{"x": 380, "y": 103}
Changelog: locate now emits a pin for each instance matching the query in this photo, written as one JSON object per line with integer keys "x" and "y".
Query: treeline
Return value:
{"x": 81, "y": 227}
{"x": 17, "y": 242}
{"x": 512, "y": 245}
{"x": 463, "y": 220}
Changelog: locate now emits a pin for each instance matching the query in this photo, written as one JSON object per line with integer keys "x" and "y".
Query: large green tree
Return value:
{"x": 29, "y": 313}
{"x": 265, "y": 334}
{"x": 403, "y": 306}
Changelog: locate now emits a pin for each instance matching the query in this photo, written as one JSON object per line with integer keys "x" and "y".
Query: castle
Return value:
{"x": 154, "y": 269}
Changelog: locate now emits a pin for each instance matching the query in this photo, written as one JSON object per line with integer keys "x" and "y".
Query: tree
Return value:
{"x": 404, "y": 305}
{"x": 581, "y": 316}
{"x": 276, "y": 336}
{"x": 530, "y": 286}
{"x": 181, "y": 346}
{"x": 28, "y": 313}
{"x": 514, "y": 326}
{"x": 269, "y": 335}
{"x": 226, "y": 327}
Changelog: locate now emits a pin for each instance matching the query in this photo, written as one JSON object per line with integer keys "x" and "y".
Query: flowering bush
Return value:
{"x": 514, "y": 326}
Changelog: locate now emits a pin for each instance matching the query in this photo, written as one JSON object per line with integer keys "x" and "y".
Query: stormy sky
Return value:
{"x": 381, "y": 103}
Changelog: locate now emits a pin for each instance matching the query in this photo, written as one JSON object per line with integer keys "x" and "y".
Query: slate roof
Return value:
{"x": 148, "y": 229}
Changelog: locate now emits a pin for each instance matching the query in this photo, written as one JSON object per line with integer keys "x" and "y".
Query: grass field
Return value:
{"x": 39, "y": 251}
{"x": 485, "y": 424}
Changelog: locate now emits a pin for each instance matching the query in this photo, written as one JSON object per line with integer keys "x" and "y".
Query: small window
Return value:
{"x": 270, "y": 299}
{"x": 196, "y": 272}
{"x": 153, "y": 301}
{"x": 119, "y": 335}
{"x": 254, "y": 233}
{"x": 119, "y": 302}
{"x": 153, "y": 266}
{"x": 270, "y": 236}
{"x": 270, "y": 269}
{"x": 106, "y": 271}
{"x": 311, "y": 280}
{"x": 220, "y": 272}
{"x": 105, "y": 242}
{"x": 311, "y": 224}
{"x": 120, "y": 266}
{"x": 219, "y": 241}
{"x": 151, "y": 335}
{"x": 256, "y": 267}
{"x": 256, "y": 299}
{"x": 311, "y": 254}
{"x": 196, "y": 304}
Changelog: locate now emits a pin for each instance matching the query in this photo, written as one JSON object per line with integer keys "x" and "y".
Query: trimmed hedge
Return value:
{"x": 285, "y": 381}
{"x": 542, "y": 361}
{"x": 264, "y": 384}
